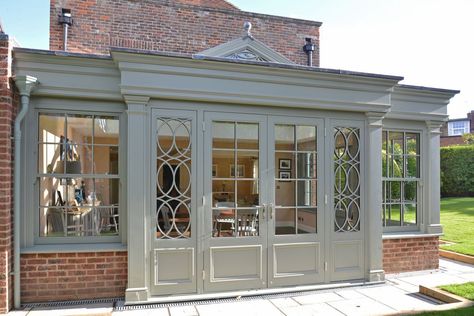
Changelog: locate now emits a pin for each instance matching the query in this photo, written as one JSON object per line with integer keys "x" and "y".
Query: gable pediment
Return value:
{"x": 246, "y": 48}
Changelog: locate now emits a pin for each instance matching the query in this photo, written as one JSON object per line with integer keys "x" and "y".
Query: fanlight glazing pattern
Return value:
{"x": 346, "y": 179}
{"x": 173, "y": 178}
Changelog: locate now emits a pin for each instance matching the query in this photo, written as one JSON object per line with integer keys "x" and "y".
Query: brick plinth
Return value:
{"x": 410, "y": 254}
{"x": 185, "y": 26}
{"x": 72, "y": 276}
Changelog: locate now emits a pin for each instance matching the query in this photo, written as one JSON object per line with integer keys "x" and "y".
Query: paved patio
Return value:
{"x": 398, "y": 294}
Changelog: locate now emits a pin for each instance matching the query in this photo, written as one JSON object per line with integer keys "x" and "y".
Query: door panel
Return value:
{"x": 235, "y": 235}
{"x": 347, "y": 207}
{"x": 173, "y": 216}
{"x": 296, "y": 230}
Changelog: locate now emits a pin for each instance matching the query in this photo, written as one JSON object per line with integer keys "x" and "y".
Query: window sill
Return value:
{"x": 105, "y": 247}
{"x": 401, "y": 235}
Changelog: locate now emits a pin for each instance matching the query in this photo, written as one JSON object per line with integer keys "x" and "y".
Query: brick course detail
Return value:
{"x": 410, "y": 254}
{"x": 72, "y": 276}
{"x": 183, "y": 26}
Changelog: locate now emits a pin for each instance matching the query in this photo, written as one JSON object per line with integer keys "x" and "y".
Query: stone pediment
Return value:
{"x": 246, "y": 48}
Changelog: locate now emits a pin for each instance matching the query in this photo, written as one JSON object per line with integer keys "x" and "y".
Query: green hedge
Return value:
{"x": 457, "y": 171}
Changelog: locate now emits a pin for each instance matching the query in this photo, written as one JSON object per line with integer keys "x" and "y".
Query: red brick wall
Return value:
{"x": 8, "y": 107}
{"x": 450, "y": 141}
{"x": 165, "y": 25}
{"x": 410, "y": 254}
{"x": 72, "y": 276}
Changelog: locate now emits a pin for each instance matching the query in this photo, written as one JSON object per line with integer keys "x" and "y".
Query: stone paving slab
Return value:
{"x": 397, "y": 298}
{"x": 318, "y": 298}
{"x": 320, "y": 309}
{"x": 260, "y": 307}
{"x": 144, "y": 312}
{"x": 361, "y": 307}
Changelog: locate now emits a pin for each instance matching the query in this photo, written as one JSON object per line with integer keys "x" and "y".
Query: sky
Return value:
{"x": 428, "y": 42}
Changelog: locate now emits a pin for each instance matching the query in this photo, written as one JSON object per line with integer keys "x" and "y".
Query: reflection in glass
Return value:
{"x": 409, "y": 214}
{"x": 247, "y": 162}
{"x": 307, "y": 165}
{"x": 307, "y": 193}
{"x": 284, "y": 137}
{"x": 79, "y": 128}
{"x": 285, "y": 193}
{"x": 306, "y": 138}
{"x": 223, "y": 135}
{"x": 106, "y": 130}
{"x": 247, "y": 135}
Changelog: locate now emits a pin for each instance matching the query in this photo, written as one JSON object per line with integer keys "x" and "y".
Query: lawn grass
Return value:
{"x": 457, "y": 218}
{"x": 465, "y": 290}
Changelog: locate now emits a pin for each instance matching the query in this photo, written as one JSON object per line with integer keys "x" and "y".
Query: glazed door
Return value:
{"x": 173, "y": 212}
{"x": 235, "y": 182}
{"x": 345, "y": 178}
{"x": 296, "y": 217}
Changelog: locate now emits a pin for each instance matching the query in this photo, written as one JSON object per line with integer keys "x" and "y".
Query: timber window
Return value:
{"x": 78, "y": 175}
{"x": 401, "y": 176}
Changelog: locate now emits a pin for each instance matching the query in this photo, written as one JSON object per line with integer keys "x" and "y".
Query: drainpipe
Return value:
{"x": 25, "y": 85}
{"x": 308, "y": 48}
{"x": 65, "y": 19}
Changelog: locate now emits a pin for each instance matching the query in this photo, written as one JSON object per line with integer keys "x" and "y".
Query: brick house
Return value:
{"x": 164, "y": 152}
{"x": 452, "y": 130}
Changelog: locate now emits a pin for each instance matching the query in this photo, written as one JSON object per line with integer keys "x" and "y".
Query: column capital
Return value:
{"x": 136, "y": 99}
{"x": 434, "y": 127}
{"x": 375, "y": 118}
{"x": 25, "y": 84}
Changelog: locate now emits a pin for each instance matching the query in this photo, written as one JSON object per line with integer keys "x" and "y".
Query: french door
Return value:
{"x": 281, "y": 201}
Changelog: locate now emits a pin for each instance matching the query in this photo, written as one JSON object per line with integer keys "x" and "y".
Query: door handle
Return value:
{"x": 263, "y": 208}
{"x": 272, "y": 208}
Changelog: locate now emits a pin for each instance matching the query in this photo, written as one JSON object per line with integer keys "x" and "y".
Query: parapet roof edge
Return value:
{"x": 208, "y": 58}
{"x": 427, "y": 89}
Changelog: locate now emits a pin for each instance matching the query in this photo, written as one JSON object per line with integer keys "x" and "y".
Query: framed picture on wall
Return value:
{"x": 214, "y": 171}
{"x": 285, "y": 164}
{"x": 240, "y": 171}
{"x": 285, "y": 176}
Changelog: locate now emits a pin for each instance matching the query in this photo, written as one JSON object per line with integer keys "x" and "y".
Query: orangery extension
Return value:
{"x": 176, "y": 150}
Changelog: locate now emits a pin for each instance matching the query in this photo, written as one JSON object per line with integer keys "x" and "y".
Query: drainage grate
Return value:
{"x": 72, "y": 303}
{"x": 119, "y": 306}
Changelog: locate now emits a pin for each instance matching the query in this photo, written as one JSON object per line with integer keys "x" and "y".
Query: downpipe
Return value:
{"x": 24, "y": 84}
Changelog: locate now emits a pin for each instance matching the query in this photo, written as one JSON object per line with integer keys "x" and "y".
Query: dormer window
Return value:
{"x": 457, "y": 128}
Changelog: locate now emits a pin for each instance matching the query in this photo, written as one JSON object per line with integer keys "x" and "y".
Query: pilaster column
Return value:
{"x": 138, "y": 256}
{"x": 432, "y": 181}
{"x": 374, "y": 195}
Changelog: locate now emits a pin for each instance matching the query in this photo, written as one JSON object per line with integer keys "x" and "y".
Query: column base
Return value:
{"x": 376, "y": 275}
{"x": 136, "y": 295}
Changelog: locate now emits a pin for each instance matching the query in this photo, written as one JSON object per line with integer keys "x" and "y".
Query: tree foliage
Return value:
{"x": 457, "y": 171}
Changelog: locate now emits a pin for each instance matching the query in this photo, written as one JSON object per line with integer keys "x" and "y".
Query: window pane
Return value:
{"x": 307, "y": 165}
{"x": 394, "y": 191}
{"x": 409, "y": 214}
{"x": 306, "y": 138}
{"x": 223, "y": 135}
{"x": 247, "y": 223}
{"x": 106, "y": 160}
{"x": 106, "y": 130}
{"x": 247, "y": 136}
{"x": 392, "y": 215}
{"x": 307, "y": 221}
{"x": 51, "y": 128}
{"x": 410, "y": 191}
{"x": 223, "y": 192}
{"x": 285, "y": 192}
{"x": 395, "y": 146}
{"x": 79, "y": 162}
{"x": 412, "y": 166}
{"x": 413, "y": 144}
{"x": 79, "y": 129}
{"x": 247, "y": 164}
{"x": 223, "y": 220}
{"x": 247, "y": 193}
{"x": 284, "y": 137}
{"x": 285, "y": 221}
{"x": 285, "y": 165}
{"x": 307, "y": 193}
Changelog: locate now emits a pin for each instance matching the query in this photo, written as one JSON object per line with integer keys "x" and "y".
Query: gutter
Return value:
{"x": 25, "y": 85}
